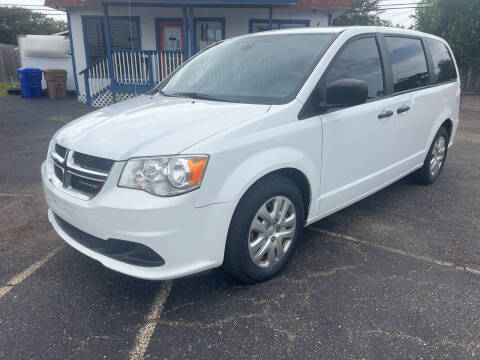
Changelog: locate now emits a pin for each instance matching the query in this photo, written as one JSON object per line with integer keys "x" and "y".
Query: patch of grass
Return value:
{"x": 7, "y": 85}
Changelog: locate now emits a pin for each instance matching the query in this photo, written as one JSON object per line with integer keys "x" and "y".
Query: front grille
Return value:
{"x": 126, "y": 251}
{"x": 60, "y": 150}
{"x": 86, "y": 174}
{"x": 86, "y": 185}
{"x": 58, "y": 173}
{"x": 94, "y": 163}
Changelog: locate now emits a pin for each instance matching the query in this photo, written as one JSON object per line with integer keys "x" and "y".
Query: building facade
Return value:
{"x": 122, "y": 48}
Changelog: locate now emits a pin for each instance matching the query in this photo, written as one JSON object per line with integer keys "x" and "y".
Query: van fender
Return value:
{"x": 446, "y": 114}
{"x": 243, "y": 175}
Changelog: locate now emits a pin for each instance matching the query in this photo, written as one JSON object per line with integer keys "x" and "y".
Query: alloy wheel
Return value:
{"x": 272, "y": 231}
{"x": 438, "y": 155}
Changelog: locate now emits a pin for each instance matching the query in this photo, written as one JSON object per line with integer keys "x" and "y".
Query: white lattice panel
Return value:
{"x": 82, "y": 99}
{"x": 103, "y": 99}
{"x": 106, "y": 98}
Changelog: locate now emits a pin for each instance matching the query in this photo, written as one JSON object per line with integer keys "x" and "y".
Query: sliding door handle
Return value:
{"x": 385, "y": 114}
{"x": 403, "y": 109}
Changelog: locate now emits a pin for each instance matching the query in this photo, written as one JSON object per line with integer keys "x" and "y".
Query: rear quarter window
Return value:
{"x": 409, "y": 64}
{"x": 443, "y": 66}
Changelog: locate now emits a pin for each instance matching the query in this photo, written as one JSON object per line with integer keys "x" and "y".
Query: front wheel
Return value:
{"x": 435, "y": 160}
{"x": 264, "y": 230}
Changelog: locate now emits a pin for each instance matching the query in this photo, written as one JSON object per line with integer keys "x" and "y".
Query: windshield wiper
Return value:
{"x": 196, "y": 95}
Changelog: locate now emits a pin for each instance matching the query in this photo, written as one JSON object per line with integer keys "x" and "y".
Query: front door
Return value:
{"x": 170, "y": 35}
{"x": 358, "y": 141}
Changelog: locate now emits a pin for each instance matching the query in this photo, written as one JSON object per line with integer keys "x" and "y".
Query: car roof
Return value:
{"x": 352, "y": 29}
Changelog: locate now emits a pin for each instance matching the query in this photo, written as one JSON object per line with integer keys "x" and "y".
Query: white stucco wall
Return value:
{"x": 236, "y": 23}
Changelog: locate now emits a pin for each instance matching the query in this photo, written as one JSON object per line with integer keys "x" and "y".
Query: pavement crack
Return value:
{"x": 200, "y": 325}
{"x": 471, "y": 347}
{"x": 85, "y": 341}
{"x": 425, "y": 258}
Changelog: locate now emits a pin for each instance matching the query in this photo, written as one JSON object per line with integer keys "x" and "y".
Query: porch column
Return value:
{"x": 185, "y": 34}
{"x": 190, "y": 28}
{"x": 106, "y": 25}
{"x": 270, "y": 16}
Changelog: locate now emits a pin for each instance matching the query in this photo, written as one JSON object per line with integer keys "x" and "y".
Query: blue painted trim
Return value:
{"x": 87, "y": 89}
{"x": 330, "y": 19}
{"x": 275, "y": 21}
{"x": 150, "y": 70}
{"x": 131, "y": 89}
{"x": 185, "y": 33}
{"x": 136, "y": 19}
{"x": 270, "y": 18}
{"x": 191, "y": 43}
{"x": 92, "y": 64}
{"x": 197, "y": 19}
{"x": 72, "y": 53}
{"x": 146, "y": 52}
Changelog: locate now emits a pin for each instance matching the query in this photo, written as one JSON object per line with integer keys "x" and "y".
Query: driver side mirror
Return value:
{"x": 346, "y": 92}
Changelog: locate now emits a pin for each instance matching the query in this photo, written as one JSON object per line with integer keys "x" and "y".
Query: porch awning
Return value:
{"x": 202, "y": 2}
{"x": 307, "y": 4}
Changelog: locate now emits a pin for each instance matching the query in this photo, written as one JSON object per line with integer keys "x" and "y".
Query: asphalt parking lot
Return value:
{"x": 395, "y": 276}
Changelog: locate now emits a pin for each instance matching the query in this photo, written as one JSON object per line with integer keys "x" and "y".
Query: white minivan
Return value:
{"x": 227, "y": 159}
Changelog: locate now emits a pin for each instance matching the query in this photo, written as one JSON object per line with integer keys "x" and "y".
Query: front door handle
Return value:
{"x": 385, "y": 114}
{"x": 403, "y": 109}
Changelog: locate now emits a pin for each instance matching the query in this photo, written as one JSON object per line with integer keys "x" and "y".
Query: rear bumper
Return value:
{"x": 189, "y": 239}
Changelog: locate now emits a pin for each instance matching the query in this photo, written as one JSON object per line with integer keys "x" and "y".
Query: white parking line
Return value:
{"x": 17, "y": 195}
{"x": 144, "y": 335}
{"x": 400, "y": 252}
{"x": 27, "y": 272}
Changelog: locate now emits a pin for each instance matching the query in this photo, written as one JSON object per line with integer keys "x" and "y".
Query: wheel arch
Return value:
{"x": 300, "y": 180}
{"x": 229, "y": 183}
{"x": 444, "y": 119}
{"x": 448, "y": 124}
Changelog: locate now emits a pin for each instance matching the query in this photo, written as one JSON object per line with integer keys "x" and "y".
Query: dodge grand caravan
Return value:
{"x": 227, "y": 159}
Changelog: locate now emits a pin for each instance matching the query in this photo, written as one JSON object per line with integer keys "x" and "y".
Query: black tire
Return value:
{"x": 237, "y": 260}
{"x": 423, "y": 175}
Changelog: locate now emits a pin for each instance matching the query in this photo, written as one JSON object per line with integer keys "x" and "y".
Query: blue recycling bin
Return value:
{"x": 31, "y": 82}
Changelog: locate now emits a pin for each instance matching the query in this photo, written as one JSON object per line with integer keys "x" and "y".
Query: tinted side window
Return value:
{"x": 359, "y": 60}
{"x": 409, "y": 64}
{"x": 443, "y": 66}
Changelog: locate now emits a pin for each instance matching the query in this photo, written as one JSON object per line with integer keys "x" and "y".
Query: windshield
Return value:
{"x": 262, "y": 69}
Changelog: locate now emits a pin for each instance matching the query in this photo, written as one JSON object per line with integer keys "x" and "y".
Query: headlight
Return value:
{"x": 165, "y": 175}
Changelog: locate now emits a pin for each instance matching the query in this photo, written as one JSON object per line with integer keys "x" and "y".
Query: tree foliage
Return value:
{"x": 15, "y": 21}
{"x": 457, "y": 21}
{"x": 363, "y": 12}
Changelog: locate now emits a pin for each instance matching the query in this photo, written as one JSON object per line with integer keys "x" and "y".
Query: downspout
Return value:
{"x": 330, "y": 19}
{"x": 107, "y": 43}
{"x": 72, "y": 53}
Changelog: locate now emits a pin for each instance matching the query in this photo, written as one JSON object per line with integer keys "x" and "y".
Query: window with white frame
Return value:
{"x": 262, "y": 25}
{"x": 208, "y": 32}
{"x": 124, "y": 34}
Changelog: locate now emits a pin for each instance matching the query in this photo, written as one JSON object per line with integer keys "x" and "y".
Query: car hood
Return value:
{"x": 152, "y": 125}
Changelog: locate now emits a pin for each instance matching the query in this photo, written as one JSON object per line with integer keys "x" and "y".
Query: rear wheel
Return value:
{"x": 435, "y": 160}
{"x": 264, "y": 230}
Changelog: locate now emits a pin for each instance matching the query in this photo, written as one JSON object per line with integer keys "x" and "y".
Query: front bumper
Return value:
{"x": 189, "y": 239}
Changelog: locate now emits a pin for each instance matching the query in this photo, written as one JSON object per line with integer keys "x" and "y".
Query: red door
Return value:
{"x": 170, "y": 35}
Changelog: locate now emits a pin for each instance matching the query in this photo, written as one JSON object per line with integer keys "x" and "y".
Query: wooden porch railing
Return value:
{"x": 97, "y": 79}
{"x": 133, "y": 72}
